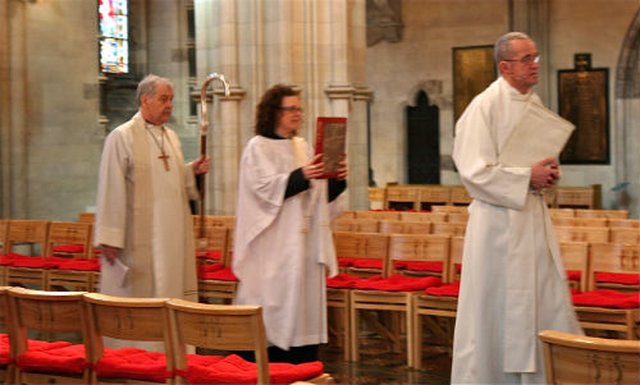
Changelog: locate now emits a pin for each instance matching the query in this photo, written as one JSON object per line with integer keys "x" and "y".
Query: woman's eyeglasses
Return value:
{"x": 292, "y": 109}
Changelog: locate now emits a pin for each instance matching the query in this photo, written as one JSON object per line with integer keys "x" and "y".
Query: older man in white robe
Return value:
{"x": 513, "y": 280}
{"x": 143, "y": 223}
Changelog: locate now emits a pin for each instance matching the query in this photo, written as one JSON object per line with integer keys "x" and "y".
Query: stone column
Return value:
{"x": 317, "y": 46}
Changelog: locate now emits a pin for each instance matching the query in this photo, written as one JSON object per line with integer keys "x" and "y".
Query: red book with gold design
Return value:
{"x": 331, "y": 138}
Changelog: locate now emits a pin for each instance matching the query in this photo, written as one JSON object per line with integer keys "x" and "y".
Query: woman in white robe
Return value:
{"x": 513, "y": 281}
{"x": 283, "y": 242}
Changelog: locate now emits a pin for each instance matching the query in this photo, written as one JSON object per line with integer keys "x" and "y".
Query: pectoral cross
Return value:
{"x": 164, "y": 158}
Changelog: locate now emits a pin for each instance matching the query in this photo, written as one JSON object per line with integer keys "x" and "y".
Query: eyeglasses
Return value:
{"x": 526, "y": 60}
{"x": 292, "y": 109}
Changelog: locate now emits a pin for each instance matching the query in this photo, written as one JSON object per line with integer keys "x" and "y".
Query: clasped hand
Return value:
{"x": 545, "y": 173}
{"x": 315, "y": 168}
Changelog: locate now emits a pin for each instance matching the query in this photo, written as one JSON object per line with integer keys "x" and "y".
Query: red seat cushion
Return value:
{"x": 32, "y": 345}
{"x": 133, "y": 363}
{"x": 433, "y": 266}
{"x": 367, "y": 263}
{"x": 34, "y": 262}
{"x": 345, "y": 262}
{"x": 606, "y": 298}
{"x": 62, "y": 358}
{"x": 620, "y": 278}
{"x": 398, "y": 282}
{"x": 233, "y": 369}
{"x": 224, "y": 274}
{"x": 71, "y": 249}
{"x": 204, "y": 270}
{"x": 209, "y": 254}
{"x": 574, "y": 275}
{"x": 342, "y": 281}
{"x": 80, "y": 264}
{"x": 450, "y": 290}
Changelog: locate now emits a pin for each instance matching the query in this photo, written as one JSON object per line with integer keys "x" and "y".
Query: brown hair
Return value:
{"x": 269, "y": 108}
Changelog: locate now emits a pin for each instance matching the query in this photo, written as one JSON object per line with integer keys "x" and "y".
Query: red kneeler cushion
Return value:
{"x": 233, "y": 369}
{"x": 451, "y": 290}
{"x": 398, "y": 282}
{"x": 205, "y": 270}
{"x": 78, "y": 264}
{"x": 574, "y": 275}
{"x": 419, "y": 266}
{"x": 620, "y": 278}
{"x": 68, "y": 359}
{"x": 133, "y": 363}
{"x": 606, "y": 298}
{"x": 19, "y": 260}
{"x": 361, "y": 263}
{"x": 71, "y": 249}
{"x": 342, "y": 281}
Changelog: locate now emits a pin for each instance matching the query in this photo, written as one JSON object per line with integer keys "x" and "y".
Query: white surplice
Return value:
{"x": 283, "y": 246}
{"x": 513, "y": 279}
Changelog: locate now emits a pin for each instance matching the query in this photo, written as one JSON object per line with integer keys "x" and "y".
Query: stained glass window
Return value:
{"x": 114, "y": 44}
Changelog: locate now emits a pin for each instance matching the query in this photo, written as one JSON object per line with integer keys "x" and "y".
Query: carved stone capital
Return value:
{"x": 340, "y": 91}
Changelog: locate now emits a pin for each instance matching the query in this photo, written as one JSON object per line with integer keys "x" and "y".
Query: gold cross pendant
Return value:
{"x": 164, "y": 158}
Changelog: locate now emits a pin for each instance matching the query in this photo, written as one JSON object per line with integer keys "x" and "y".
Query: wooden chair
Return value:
{"x": 60, "y": 315}
{"x": 352, "y": 246}
{"x": 377, "y": 198}
{"x": 77, "y": 269}
{"x": 402, "y": 198}
{"x": 449, "y": 209}
{"x": 4, "y": 228}
{"x": 374, "y": 295}
{"x": 87, "y": 217}
{"x": 377, "y": 215}
{"x": 405, "y": 227}
{"x": 599, "y": 213}
{"x": 590, "y": 222}
{"x": 6, "y": 359}
{"x": 626, "y": 235}
{"x": 615, "y": 222}
{"x": 438, "y": 310}
{"x": 356, "y": 225}
{"x": 449, "y": 228}
{"x": 129, "y": 319}
{"x": 582, "y": 234}
{"x": 429, "y": 196}
{"x": 222, "y": 327}
{"x": 556, "y": 212}
{"x": 578, "y": 197}
{"x": 211, "y": 244}
{"x": 459, "y": 196}
{"x": 458, "y": 217}
{"x": 217, "y": 282}
{"x": 609, "y": 258}
{"x": 28, "y": 269}
{"x": 423, "y": 217}
{"x": 563, "y": 221}
{"x": 576, "y": 256}
{"x": 574, "y": 359}
{"x": 215, "y": 220}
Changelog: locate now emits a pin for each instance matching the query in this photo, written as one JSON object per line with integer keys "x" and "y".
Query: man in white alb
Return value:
{"x": 513, "y": 280}
{"x": 143, "y": 223}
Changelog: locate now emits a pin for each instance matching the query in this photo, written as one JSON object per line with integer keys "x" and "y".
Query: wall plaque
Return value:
{"x": 583, "y": 99}
{"x": 473, "y": 71}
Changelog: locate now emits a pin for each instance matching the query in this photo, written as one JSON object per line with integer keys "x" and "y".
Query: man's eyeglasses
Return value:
{"x": 291, "y": 109}
{"x": 526, "y": 60}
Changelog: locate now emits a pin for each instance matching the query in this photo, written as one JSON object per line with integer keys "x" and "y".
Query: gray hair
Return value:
{"x": 147, "y": 86}
{"x": 502, "y": 48}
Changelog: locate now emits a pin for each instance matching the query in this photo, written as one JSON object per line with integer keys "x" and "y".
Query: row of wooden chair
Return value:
{"x": 589, "y": 213}
{"x": 595, "y": 222}
{"x": 176, "y": 324}
{"x": 626, "y": 235}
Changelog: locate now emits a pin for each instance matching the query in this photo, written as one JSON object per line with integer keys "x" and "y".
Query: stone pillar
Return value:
{"x": 532, "y": 18}
{"x": 317, "y": 46}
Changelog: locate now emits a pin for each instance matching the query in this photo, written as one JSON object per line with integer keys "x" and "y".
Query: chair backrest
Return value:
{"x": 446, "y": 209}
{"x": 362, "y": 245}
{"x": 377, "y": 215}
{"x": 458, "y": 217}
{"x": 563, "y": 221}
{"x": 219, "y": 327}
{"x": 129, "y": 319}
{"x": 420, "y": 247}
{"x": 4, "y": 307}
{"x": 459, "y": 196}
{"x": 213, "y": 238}
{"x": 575, "y": 256}
{"x": 449, "y": 228}
{"x": 4, "y": 228}
{"x": 424, "y": 216}
{"x": 87, "y": 217}
{"x": 626, "y": 235}
{"x": 430, "y": 196}
{"x": 405, "y": 227}
{"x": 27, "y": 231}
{"x": 61, "y": 233}
{"x": 455, "y": 259}
{"x": 51, "y": 312}
{"x": 598, "y": 213}
{"x": 591, "y": 222}
{"x": 554, "y": 212}
{"x": 216, "y": 220}
{"x": 612, "y": 258}
{"x": 582, "y": 234}
{"x": 356, "y": 225}
{"x": 574, "y": 359}
{"x": 405, "y": 196}
{"x": 615, "y": 222}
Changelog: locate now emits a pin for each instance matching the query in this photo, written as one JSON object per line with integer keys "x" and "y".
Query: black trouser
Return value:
{"x": 295, "y": 354}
